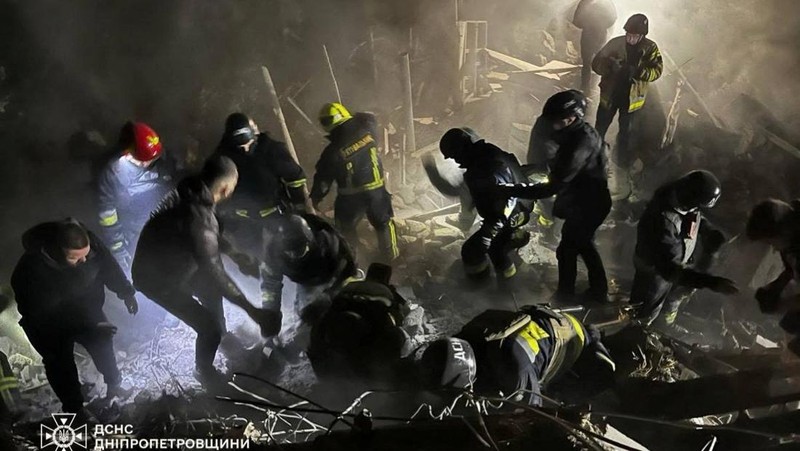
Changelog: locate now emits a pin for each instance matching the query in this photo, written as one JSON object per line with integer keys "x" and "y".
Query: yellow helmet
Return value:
{"x": 332, "y": 115}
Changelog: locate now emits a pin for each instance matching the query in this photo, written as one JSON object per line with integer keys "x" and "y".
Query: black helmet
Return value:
{"x": 448, "y": 362}
{"x": 564, "y": 104}
{"x": 456, "y": 141}
{"x": 637, "y": 24}
{"x": 697, "y": 189}
{"x": 238, "y": 129}
{"x": 294, "y": 237}
{"x": 765, "y": 218}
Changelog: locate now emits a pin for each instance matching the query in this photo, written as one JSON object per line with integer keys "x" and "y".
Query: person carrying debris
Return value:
{"x": 519, "y": 354}
{"x": 314, "y": 255}
{"x": 360, "y": 337}
{"x": 130, "y": 186}
{"x": 777, "y": 223}
{"x": 667, "y": 254}
{"x": 579, "y": 180}
{"x": 487, "y": 166}
{"x": 594, "y": 18}
{"x": 351, "y": 159}
{"x": 627, "y": 65}
{"x": 178, "y": 263}
{"x": 270, "y": 181}
{"x": 59, "y": 284}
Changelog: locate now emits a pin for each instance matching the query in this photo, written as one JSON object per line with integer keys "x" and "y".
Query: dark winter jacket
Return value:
{"x": 269, "y": 178}
{"x": 667, "y": 238}
{"x": 351, "y": 159}
{"x": 181, "y": 243}
{"x": 329, "y": 261}
{"x": 126, "y": 195}
{"x": 50, "y": 293}
{"x": 578, "y": 171}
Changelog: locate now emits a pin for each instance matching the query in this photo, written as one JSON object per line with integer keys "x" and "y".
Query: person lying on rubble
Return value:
{"x": 360, "y": 338}
{"x": 675, "y": 248}
{"x": 178, "y": 263}
{"x": 59, "y": 284}
{"x": 487, "y": 166}
{"x": 579, "y": 180}
{"x": 777, "y": 223}
{"x": 518, "y": 355}
{"x": 314, "y": 255}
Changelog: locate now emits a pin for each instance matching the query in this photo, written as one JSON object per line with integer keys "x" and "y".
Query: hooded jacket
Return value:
{"x": 182, "y": 241}
{"x": 50, "y": 293}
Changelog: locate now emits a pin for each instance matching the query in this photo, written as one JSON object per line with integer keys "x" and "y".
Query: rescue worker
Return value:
{"x": 352, "y": 161}
{"x": 519, "y": 353}
{"x": 360, "y": 338}
{"x": 627, "y": 65}
{"x": 487, "y": 167}
{"x": 130, "y": 186}
{"x": 178, "y": 263}
{"x": 579, "y": 180}
{"x": 777, "y": 223}
{"x": 594, "y": 18}
{"x": 667, "y": 254}
{"x": 10, "y": 402}
{"x": 270, "y": 181}
{"x": 59, "y": 285}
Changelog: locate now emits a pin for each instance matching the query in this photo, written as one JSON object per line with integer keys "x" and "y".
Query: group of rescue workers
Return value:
{"x": 156, "y": 221}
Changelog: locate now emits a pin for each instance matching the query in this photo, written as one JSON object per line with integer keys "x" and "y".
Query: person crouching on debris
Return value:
{"x": 777, "y": 223}
{"x": 178, "y": 263}
{"x": 668, "y": 233}
{"x": 314, "y": 255}
{"x": 59, "y": 284}
{"x": 579, "y": 180}
{"x": 518, "y": 354}
{"x": 487, "y": 166}
{"x": 352, "y": 161}
{"x": 360, "y": 338}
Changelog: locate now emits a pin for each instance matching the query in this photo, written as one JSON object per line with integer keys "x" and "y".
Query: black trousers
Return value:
{"x": 591, "y": 43}
{"x": 377, "y": 205}
{"x": 624, "y": 157}
{"x": 658, "y": 298}
{"x": 203, "y": 312}
{"x": 577, "y": 239}
{"x": 56, "y": 346}
{"x": 493, "y": 242}
{"x": 248, "y": 236}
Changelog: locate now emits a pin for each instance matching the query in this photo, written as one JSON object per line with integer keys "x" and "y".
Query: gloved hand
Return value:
{"x": 248, "y": 265}
{"x": 106, "y": 328}
{"x": 269, "y": 321}
{"x": 131, "y": 304}
{"x": 768, "y": 300}
{"x": 722, "y": 285}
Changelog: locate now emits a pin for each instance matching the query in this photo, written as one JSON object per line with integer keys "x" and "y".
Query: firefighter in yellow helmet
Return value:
{"x": 627, "y": 65}
{"x": 353, "y": 162}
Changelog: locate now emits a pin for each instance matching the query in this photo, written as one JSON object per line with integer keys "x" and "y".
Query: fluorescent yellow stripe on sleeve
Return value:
{"x": 109, "y": 218}
{"x": 295, "y": 183}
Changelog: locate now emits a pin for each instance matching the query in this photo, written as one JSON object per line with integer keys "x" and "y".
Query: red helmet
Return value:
{"x": 146, "y": 143}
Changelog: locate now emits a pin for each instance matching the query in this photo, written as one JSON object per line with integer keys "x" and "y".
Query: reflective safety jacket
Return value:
{"x": 523, "y": 350}
{"x": 627, "y": 70}
{"x": 269, "y": 178}
{"x": 126, "y": 194}
{"x": 351, "y": 159}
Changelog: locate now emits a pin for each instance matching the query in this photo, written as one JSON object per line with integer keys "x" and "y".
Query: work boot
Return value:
{"x": 210, "y": 378}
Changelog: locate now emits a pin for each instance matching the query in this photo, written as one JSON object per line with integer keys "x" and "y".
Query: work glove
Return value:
{"x": 131, "y": 304}
{"x": 722, "y": 285}
{"x": 248, "y": 265}
{"x": 106, "y": 328}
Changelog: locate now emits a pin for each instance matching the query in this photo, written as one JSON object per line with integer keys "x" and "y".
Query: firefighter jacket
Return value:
{"x": 525, "y": 350}
{"x": 578, "y": 173}
{"x": 269, "y": 178}
{"x": 329, "y": 260}
{"x": 126, "y": 194}
{"x": 183, "y": 241}
{"x": 667, "y": 238}
{"x": 490, "y": 168}
{"x": 626, "y": 71}
{"x": 50, "y": 293}
{"x": 351, "y": 159}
